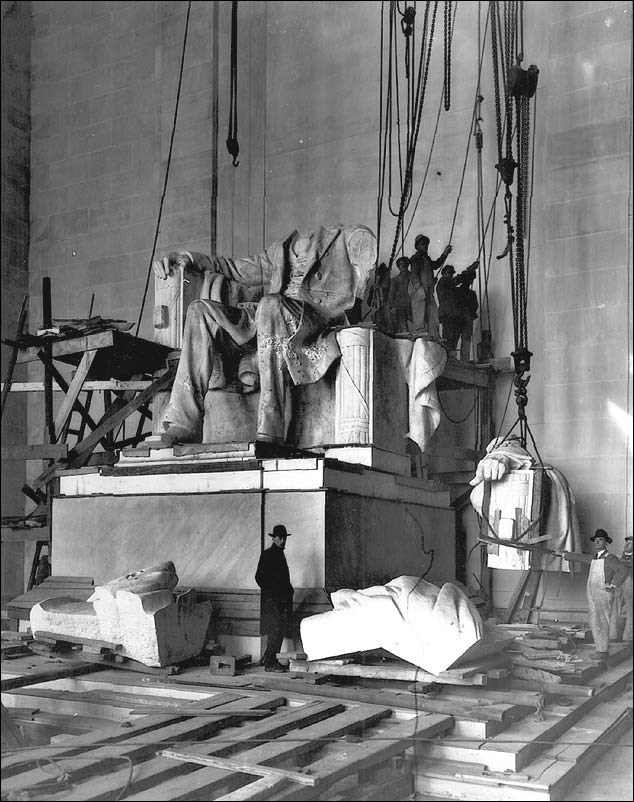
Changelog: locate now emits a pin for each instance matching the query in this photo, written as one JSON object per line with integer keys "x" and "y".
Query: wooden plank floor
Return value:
{"x": 300, "y": 748}
{"x": 280, "y": 736}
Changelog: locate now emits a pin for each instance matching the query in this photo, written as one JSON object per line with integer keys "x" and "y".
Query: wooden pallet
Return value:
{"x": 211, "y": 749}
{"x": 550, "y": 776}
{"x": 525, "y": 740}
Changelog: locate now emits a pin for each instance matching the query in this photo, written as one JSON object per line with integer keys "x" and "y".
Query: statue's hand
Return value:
{"x": 165, "y": 266}
{"x": 490, "y": 469}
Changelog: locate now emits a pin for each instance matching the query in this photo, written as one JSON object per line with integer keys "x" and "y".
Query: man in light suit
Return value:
{"x": 281, "y": 301}
{"x": 605, "y": 576}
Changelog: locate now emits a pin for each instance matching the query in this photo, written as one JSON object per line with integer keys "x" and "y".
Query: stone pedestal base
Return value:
{"x": 353, "y": 526}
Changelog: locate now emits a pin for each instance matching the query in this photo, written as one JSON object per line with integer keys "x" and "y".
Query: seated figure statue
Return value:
{"x": 292, "y": 293}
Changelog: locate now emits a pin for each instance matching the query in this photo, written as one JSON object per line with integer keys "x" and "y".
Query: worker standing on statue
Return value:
{"x": 422, "y": 279}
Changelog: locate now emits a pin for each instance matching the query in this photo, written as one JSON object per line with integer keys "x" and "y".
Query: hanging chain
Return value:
{"x": 232, "y": 136}
{"x": 447, "y": 53}
{"x": 496, "y": 77}
{"x": 418, "y": 117}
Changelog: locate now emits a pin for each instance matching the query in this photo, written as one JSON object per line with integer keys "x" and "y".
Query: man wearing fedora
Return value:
{"x": 276, "y": 599}
{"x": 607, "y": 573}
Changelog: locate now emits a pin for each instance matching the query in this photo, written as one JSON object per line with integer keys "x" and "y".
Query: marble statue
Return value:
{"x": 429, "y": 626}
{"x": 278, "y": 304}
{"x": 506, "y": 493}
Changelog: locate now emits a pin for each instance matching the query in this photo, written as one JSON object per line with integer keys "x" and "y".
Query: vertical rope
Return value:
{"x": 213, "y": 227}
{"x": 167, "y": 167}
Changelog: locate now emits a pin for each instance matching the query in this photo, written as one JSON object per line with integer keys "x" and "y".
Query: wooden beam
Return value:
{"x": 14, "y": 355}
{"x": 45, "y": 451}
{"x": 238, "y": 766}
{"x": 111, "y": 384}
{"x": 70, "y": 670}
{"x": 12, "y": 737}
{"x": 55, "y": 637}
{"x": 30, "y": 535}
{"x": 63, "y": 386}
{"x": 81, "y": 452}
{"x": 75, "y": 345}
{"x": 456, "y": 375}
{"x": 74, "y": 389}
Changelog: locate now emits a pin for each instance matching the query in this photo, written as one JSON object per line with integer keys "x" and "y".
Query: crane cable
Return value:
{"x": 519, "y": 87}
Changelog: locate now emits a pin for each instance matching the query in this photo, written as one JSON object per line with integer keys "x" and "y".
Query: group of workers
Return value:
{"x": 406, "y": 303}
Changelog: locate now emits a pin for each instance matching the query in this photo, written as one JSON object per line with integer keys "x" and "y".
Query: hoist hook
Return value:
{"x": 234, "y": 148}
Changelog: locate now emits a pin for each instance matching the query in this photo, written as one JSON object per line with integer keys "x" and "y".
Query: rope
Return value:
{"x": 461, "y": 420}
{"x": 167, "y": 168}
{"x": 382, "y": 140}
{"x": 418, "y": 116}
{"x": 433, "y": 141}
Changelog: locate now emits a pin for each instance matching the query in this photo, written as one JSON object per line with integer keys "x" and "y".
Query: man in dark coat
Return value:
{"x": 276, "y": 600}
{"x": 467, "y": 305}
{"x": 447, "y": 309}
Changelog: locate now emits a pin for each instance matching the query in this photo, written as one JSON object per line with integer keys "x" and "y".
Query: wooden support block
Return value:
{"x": 89, "y": 644}
{"x": 223, "y": 664}
{"x": 228, "y": 665}
{"x": 291, "y": 656}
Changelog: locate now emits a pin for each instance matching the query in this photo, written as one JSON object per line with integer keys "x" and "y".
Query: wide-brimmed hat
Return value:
{"x": 279, "y": 530}
{"x": 601, "y": 533}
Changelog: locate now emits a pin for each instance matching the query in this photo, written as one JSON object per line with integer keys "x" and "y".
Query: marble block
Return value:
{"x": 155, "y": 628}
{"x": 425, "y": 625}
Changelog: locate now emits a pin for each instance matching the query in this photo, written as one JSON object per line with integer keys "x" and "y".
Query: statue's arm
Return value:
{"x": 251, "y": 271}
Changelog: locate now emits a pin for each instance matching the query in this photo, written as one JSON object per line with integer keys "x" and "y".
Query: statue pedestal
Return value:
{"x": 353, "y": 526}
{"x": 361, "y": 402}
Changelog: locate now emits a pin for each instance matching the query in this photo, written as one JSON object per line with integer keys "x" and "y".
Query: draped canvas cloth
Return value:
{"x": 423, "y": 362}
